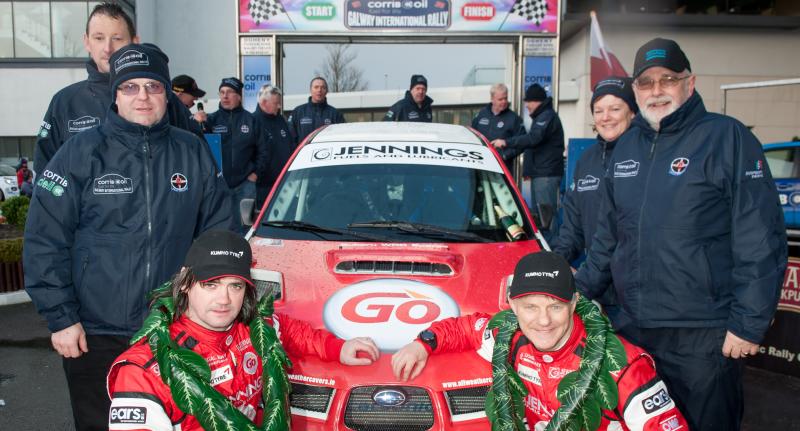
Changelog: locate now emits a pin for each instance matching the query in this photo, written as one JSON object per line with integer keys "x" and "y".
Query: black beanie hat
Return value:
{"x": 417, "y": 80}
{"x": 660, "y": 52}
{"x": 535, "y": 93}
{"x": 233, "y": 83}
{"x": 543, "y": 273}
{"x": 138, "y": 61}
{"x": 616, "y": 86}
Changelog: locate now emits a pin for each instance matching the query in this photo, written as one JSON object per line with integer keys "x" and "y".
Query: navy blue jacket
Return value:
{"x": 83, "y": 105}
{"x": 543, "y": 145}
{"x": 311, "y": 116}
{"x": 582, "y": 201}
{"x": 244, "y": 150}
{"x": 112, "y": 217}
{"x": 504, "y": 125}
{"x": 690, "y": 226}
{"x": 280, "y": 147}
{"x": 406, "y": 109}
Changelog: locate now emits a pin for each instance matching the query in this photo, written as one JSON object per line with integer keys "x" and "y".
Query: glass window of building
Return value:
{"x": 69, "y": 19}
{"x": 6, "y": 31}
{"x": 32, "y": 29}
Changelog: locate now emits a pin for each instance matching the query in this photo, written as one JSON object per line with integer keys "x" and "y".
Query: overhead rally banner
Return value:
{"x": 510, "y": 16}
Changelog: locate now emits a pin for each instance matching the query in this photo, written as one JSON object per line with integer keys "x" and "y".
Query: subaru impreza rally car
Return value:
{"x": 379, "y": 229}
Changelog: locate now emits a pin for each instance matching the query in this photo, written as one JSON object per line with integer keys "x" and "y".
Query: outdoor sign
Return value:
{"x": 256, "y": 72}
{"x": 781, "y": 346}
{"x": 508, "y": 16}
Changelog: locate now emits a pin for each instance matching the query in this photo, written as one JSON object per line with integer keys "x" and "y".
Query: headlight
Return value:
{"x": 10, "y": 181}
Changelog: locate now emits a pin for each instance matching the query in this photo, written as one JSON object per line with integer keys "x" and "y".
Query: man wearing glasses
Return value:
{"x": 693, "y": 236}
{"x": 113, "y": 215}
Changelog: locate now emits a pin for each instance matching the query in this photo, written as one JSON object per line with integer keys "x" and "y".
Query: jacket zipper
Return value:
{"x": 148, "y": 206}
{"x": 641, "y": 207}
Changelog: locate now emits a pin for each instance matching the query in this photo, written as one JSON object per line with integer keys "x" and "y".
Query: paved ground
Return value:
{"x": 33, "y": 389}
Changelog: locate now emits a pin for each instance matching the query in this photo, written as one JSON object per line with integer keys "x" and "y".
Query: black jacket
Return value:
{"x": 504, "y": 125}
{"x": 311, "y": 116}
{"x": 83, "y": 105}
{"x": 582, "y": 201}
{"x": 112, "y": 217}
{"x": 280, "y": 147}
{"x": 244, "y": 150}
{"x": 406, "y": 109}
{"x": 543, "y": 145}
{"x": 690, "y": 227}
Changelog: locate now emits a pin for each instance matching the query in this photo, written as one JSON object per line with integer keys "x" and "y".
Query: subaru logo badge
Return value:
{"x": 389, "y": 397}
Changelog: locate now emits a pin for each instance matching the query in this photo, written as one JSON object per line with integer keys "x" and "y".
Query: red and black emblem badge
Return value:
{"x": 179, "y": 182}
{"x": 678, "y": 166}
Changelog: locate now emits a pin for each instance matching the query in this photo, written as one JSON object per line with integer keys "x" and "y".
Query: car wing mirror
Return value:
{"x": 246, "y": 210}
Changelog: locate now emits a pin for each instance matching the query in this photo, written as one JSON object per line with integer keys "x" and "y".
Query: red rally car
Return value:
{"x": 379, "y": 229}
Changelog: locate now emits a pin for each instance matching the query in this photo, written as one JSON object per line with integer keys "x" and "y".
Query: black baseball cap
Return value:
{"x": 543, "y": 273}
{"x": 220, "y": 253}
{"x": 660, "y": 52}
{"x": 535, "y": 93}
{"x": 187, "y": 84}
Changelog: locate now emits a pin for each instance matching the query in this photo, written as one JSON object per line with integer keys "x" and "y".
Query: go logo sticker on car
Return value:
{"x": 391, "y": 311}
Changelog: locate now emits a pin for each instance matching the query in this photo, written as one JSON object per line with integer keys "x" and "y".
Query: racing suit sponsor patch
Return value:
{"x": 628, "y": 168}
{"x": 221, "y": 375}
{"x": 647, "y": 404}
{"x": 127, "y": 415}
{"x": 670, "y": 424}
{"x": 527, "y": 373}
{"x": 112, "y": 184}
{"x": 250, "y": 363}
{"x": 487, "y": 345}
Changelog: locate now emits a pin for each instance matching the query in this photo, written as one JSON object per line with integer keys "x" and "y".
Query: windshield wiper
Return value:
{"x": 422, "y": 229}
{"x": 318, "y": 230}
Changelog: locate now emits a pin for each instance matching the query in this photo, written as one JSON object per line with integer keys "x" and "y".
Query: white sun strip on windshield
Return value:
{"x": 436, "y": 154}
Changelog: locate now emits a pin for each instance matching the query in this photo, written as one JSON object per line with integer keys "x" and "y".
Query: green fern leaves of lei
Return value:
{"x": 583, "y": 393}
{"x": 188, "y": 375}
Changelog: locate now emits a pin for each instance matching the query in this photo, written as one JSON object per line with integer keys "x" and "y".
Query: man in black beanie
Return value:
{"x": 415, "y": 106}
{"x": 244, "y": 149}
{"x": 114, "y": 213}
{"x": 691, "y": 232}
{"x": 543, "y": 152}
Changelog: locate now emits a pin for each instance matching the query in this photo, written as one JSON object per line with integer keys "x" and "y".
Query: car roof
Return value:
{"x": 396, "y": 132}
{"x": 779, "y": 145}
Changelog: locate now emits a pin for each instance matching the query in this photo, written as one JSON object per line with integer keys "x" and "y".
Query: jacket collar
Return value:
{"x": 568, "y": 348}
{"x": 131, "y": 132}
{"x": 234, "y": 110}
{"x": 489, "y": 110}
{"x": 260, "y": 111}
{"x": 547, "y": 104}
{"x": 95, "y": 76}
{"x": 221, "y": 340}
{"x": 425, "y": 103}
{"x": 691, "y": 111}
{"x": 319, "y": 105}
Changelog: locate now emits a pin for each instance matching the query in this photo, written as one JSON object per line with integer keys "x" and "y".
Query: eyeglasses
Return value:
{"x": 666, "y": 81}
{"x": 132, "y": 89}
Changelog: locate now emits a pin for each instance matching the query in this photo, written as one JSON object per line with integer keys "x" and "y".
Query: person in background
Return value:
{"x": 185, "y": 87}
{"x": 497, "y": 121}
{"x": 275, "y": 131}
{"x": 316, "y": 113}
{"x": 416, "y": 106}
{"x": 613, "y": 107}
{"x": 22, "y": 171}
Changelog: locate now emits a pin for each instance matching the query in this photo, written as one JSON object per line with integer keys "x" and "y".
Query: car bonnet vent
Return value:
{"x": 393, "y": 267}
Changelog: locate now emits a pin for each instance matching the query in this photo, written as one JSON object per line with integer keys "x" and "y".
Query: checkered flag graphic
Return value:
{"x": 262, "y": 10}
{"x": 531, "y": 10}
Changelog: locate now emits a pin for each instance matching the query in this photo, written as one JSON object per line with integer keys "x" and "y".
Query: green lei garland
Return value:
{"x": 583, "y": 393}
{"x": 188, "y": 375}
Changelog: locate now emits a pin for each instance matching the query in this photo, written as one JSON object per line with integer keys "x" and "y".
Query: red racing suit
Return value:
{"x": 644, "y": 402}
{"x": 140, "y": 400}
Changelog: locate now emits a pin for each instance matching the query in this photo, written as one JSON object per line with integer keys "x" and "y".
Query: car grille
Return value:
{"x": 393, "y": 267}
{"x": 467, "y": 401}
{"x": 312, "y": 399}
{"x": 363, "y": 414}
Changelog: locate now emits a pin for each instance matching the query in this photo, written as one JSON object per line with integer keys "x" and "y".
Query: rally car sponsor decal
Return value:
{"x": 313, "y": 380}
{"x": 480, "y": 381}
{"x": 392, "y": 311}
{"x": 437, "y": 154}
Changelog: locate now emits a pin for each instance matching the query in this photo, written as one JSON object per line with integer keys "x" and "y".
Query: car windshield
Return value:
{"x": 783, "y": 162}
{"x": 394, "y": 202}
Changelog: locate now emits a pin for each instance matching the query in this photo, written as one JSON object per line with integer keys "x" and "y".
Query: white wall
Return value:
{"x": 26, "y": 95}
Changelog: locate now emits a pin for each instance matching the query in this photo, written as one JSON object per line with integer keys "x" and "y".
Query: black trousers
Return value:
{"x": 705, "y": 385}
{"x": 86, "y": 378}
